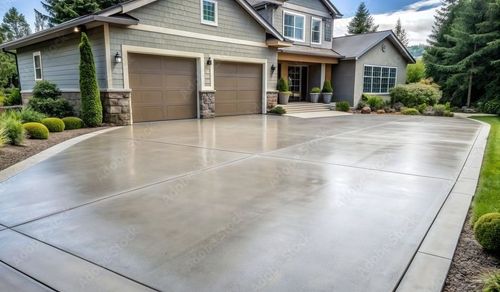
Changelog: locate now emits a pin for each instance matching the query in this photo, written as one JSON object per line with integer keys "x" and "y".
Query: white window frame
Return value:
{"x": 320, "y": 30}
{"x": 208, "y": 22}
{"x": 380, "y": 66}
{"x": 303, "y": 29}
{"x": 37, "y": 54}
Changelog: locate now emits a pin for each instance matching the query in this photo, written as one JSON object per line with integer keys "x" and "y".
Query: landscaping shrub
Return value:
{"x": 439, "y": 110}
{"x": 51, "y": 107}
{"x": 449, "y": 114}
{"x": 36, "y": 131}
{"x": 14, "y": 130}
{"x": 72, "y": 123}
{"x": 3, "y": 137}
{"x": 91, "y": 112}
{"x": 375, "y": 102}
{"x": 46, "y": 89}
{"x": 54, "y": 124}
{"x": 410, "y": 111}
{"x": 28, "y": 115}
{"x": 2, "y": 98}
{"x": 342, "y": 106}
{"x": 422, "y": 107}
{"x": 278, "y": 110}
{"x": 361, "y": 104}
{"x": 327, "y": 87}
{"x": 316, "y": 90}
{"x": 415, "y": 72}
{"x": 414, "y": 94}
{"x": 283, "y": 85}
{"x": 364, "y": 97}
{"x": 490, "y": 106}
{"x": 487, "y": 231}
{"x": 12, "y": 97}
{"x": 492, "y": 283}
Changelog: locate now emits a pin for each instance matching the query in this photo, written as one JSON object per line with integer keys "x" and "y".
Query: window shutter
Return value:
{"x": 328, "y": 30}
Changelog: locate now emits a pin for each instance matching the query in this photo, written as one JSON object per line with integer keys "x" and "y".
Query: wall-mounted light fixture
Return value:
{"x": 273, "y": 68}
{"x": 118, "y": 58}
{"x": 76, "y": 29}
{"x": 209, "y": 61}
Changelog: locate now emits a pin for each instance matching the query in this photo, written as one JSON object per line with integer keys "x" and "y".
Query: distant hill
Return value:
{"x": 417, "y": 51}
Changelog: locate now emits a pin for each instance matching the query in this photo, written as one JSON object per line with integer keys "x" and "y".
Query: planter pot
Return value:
{"x": 315, "y": 97}
{"x": 327, "y": 97}
{"x": 284, "y": 97}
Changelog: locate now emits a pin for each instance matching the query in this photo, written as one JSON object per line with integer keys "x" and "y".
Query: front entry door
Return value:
{"x": 297, "y": 78}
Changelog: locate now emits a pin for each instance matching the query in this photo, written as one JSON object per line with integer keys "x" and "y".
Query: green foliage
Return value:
{"x": 414, "y": 94}
{"x": 487, "y": 231}
{"x": 14, "y": 130}
{"x": 8, "y": 70}
{"x": 14, "y": 25}
{"x": 51, "y": 107}
{"x": 73, "y": 123}
{"x": 490, "y": 106}
{"x": 60, "y": 11}
{"x": 91, "y": 112}
{"x": 422, "y": 108}
{"x": 439, "y": 110}
{"x": 415, "y": 72}
{"x": 54, "y": 124}
{"x": 400, "y": 32}
{"x": 46, "y": 89}
{"x": 12, "y": 96}
{"x": 3, "y": 137}
{"x": 2, "y": 99}
{"x": 316, "y": 90}
{"x": 342, "y": 106}
{"x": 283, "y": 85}
{"x": 449, "y": 114}
{"x": 375, "y": 102}
{"x": 327, "y": 87}
{"x": 28, "y": 115}
{"x": 410, "y": 112}
{"x": 36, "y": 131}
{"x": 278, "y": 110}
{"x": 362, "y": 21}
{"x": 364, "y": 97}
{"x": 492, "y": 282}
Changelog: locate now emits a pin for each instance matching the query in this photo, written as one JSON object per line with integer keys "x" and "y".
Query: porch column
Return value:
{"x": 284, "y": 70}
{"x": 328, "y": 72}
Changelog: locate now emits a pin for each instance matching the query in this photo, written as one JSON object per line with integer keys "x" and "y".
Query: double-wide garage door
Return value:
{"x": 165, "y": 88}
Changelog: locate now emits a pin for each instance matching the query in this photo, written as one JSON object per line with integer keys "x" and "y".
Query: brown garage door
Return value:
{"x": 163, "y": 88}
{"x": 238, "y": 88}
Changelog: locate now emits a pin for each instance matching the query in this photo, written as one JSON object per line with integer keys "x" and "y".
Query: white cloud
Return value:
{"x": 415, "y": 19}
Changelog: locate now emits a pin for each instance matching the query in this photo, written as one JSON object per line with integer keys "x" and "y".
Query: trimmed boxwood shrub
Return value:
{"x": 487, "y": 231}
{"x": 316, "y": 90}
{"x": 342, "y": 106}
{"x": 327, "y": 87}
{"x": 410, "y": 112}
{"x": 36, "y": 131}
{"x": 54, "y": 124}
{"x": 283, "y": 85}
{"x": 14, "y": 130}
{"x": 72, "y": 123}
{"x": 414, "y": 94}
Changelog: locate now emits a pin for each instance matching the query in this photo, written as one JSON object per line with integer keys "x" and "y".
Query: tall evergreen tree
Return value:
{"x": 40, "y": 21}
{"x": 362, "y": 22}
{"x": 60, "y": 11}
{"x": 91, "y": 111}
{"x": 14, "y": 25}
{"x": 401, "y": 33}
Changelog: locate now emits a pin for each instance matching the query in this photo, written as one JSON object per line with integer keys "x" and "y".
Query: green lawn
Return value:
{"x": 487, "y": 197}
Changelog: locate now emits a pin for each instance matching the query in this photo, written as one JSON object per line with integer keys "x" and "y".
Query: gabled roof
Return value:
{"x": 117, "y": 15}
{"x": 354, "y": 47}
{"x": 333, "y": 10}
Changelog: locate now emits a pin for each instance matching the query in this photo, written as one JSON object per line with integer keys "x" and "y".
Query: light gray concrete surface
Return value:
{"x": 426, "y": 274}
{"x": 246, "y": 203}
{"x": 12, "y": 280}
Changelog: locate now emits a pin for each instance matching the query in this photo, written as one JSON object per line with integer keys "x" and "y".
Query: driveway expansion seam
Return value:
{"x": 31, "y": 161}
{"x": 86, "y": 260}
{"x": 398, "y": 284}
{"x": 434, "y": 255}
{"x": 125, "y": 192}
{"x": 28, "y": 276}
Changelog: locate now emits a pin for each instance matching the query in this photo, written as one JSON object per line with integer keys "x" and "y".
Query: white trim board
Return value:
{"x": 195, "y": 35}
{"x": 107, "y": 52}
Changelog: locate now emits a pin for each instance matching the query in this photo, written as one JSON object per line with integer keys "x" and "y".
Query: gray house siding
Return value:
{"x": 60, "y": 61}
{"x": 343, "y": 81}
{"x": 311, "y": 4}
{"x": 391, "y": 57}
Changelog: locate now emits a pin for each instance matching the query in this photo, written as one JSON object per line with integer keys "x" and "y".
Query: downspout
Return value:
{"x": 17, "y": 67}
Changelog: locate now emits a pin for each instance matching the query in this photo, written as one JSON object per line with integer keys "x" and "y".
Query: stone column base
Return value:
{"x": 116, "y": 107}
{"x": 207, "y": 104}
{"x": 272, "y": 99}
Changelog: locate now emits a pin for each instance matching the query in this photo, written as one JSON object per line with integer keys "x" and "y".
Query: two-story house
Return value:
{"x": 180, "y": 59}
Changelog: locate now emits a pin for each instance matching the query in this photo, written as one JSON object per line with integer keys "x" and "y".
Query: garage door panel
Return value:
{"x": 163, "y": 88}
{"x": 238, "y": 88}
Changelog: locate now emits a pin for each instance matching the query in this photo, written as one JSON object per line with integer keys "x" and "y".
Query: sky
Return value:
{"x": 416, "y": 16}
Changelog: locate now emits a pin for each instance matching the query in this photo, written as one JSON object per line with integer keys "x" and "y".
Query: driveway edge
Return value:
{"x": 430, "y": 266}
{"x": 47, "y": 153}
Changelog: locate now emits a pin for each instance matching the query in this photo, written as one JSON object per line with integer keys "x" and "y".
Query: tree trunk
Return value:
{"x": 469, "y": 93}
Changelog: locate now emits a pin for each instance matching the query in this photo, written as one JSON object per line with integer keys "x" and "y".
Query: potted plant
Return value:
{"x": 327, "y": 92}
{"x": 284, "y": 92}
{"x": 315, "y": 93}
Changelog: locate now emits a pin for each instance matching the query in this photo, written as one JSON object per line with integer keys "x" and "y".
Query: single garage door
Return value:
{"x": 238, "y": 88}
{"x": 163, "y": 88}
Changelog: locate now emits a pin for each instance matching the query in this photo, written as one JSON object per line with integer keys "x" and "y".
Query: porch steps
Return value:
{"x": 306, "y": 107}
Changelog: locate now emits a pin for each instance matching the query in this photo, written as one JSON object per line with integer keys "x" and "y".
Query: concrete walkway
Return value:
{"x": 240, "y": 203}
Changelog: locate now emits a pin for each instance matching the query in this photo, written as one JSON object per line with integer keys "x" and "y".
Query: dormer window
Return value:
{"x": 209, "y": 12}
{"x": 316, "y": 30}
{"x": 293, "y": 26}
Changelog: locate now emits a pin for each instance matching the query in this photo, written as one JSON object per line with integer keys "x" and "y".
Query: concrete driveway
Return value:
{"x": 261, "y": 203}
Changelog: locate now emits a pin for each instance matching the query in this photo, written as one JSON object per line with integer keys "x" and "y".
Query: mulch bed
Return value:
{"x": 10, "y": 155}
{"x": 470, "y": 263}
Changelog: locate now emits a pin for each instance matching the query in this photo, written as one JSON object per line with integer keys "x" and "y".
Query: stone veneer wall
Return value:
{"x": 207, "y": 104}
{"x": 272, "y": 99}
